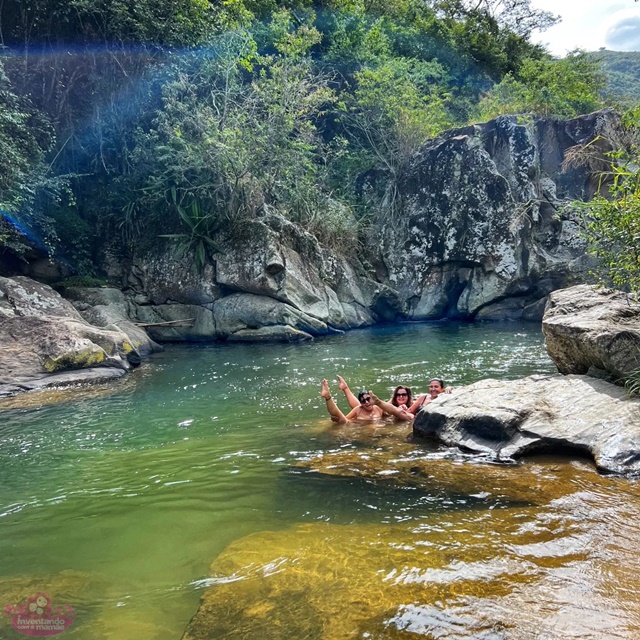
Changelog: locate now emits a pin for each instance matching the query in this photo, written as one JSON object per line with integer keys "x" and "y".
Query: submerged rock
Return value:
{"x": 66, "y": 588}
{"x": 508, "y": 419}
{"x": 439, "y": 571}
{"x": 334, "y": 582}
{"x": 594, "y": 331}
{"x": 473, "y": 478}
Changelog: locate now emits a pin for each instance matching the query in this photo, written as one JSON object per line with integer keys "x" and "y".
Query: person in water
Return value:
{"x": 436, "y": 387}
{"x": 366, "y": 411}
{"x": 369, "y": 406}
{"x": 400, "y": 398}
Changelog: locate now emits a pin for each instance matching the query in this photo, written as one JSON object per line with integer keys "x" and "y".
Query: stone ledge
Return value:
{"x": 510, "y": 419}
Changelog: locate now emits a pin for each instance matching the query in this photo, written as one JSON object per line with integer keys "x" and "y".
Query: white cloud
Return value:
{"x": 590, "y": 24}
{"x": 624, "y": 33}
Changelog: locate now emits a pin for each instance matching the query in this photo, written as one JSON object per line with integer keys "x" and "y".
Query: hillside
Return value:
{"x": 622, "y": 70}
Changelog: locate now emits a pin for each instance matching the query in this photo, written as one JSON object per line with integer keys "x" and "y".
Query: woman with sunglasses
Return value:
{"x": 365, "y": 411}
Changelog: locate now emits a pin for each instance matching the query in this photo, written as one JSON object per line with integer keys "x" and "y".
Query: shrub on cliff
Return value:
{"x": 565, "y": 87}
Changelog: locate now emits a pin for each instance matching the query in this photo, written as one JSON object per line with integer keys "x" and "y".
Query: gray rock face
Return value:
{"x": 108, "y": 308}
{"x": 594, "y": 331}
{"x": 42, "y": 334}
{"x": 276, "y": 284}
{"x": 478, "y": 232}
{"x": 508, "y": 419}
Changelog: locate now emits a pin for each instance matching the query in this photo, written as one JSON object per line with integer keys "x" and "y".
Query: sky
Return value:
{"x": 590, "y": 25}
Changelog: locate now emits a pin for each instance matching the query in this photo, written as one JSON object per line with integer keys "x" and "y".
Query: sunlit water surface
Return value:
{"x": 213, "y": 471}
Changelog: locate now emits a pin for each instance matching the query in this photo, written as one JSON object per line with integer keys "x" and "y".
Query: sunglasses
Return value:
{"x": 401, "y": 393}
{"x": 365, "y": 400}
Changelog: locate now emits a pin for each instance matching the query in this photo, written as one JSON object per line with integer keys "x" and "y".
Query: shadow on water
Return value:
{"x": 367, "y": 500}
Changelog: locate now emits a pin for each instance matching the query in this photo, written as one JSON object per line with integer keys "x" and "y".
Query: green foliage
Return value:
{"x": 396, "y": 106}
{"x": 44, "y": 22}
{"x": 613, "y": 228}
{"x": 75, "y": 237}
{"x": 201, "y": 227}
{"x": 517, "y": 16}
{"x": 632, "y": 383}
{"x": 564, "y": 87}
{"x": 244, "y": 108}
{"x": 612, "y": 218}
{"x": 25, "y": 183}
{"x": 235, "y": 135}
{"x": 622, "y": 73}
{"x": 12, "y": 240}
{"x": 25, "y": 136}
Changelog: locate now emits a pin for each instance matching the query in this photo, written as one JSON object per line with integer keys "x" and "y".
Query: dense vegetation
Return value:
{"x": 611, "y": 220}
{"x": 622, "y": 72}
{"x": 183, "y": 118}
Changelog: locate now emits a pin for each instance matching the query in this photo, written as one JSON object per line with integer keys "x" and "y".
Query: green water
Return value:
{"x": 119, "y": 499}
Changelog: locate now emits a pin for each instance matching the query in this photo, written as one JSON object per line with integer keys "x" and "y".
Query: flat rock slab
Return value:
{"x": 553, "y": 414}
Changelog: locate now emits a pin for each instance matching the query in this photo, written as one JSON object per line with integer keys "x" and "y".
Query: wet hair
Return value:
{"x": 362, "y": 394}
{"x": 394, "y": 398}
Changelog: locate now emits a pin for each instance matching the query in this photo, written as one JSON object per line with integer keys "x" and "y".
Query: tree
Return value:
{"x": 25, "y": 137}
{"x": 611, "y": 220}
{"x": 564, "y": 87}
{"x": 236, "y": 136}
{"x": 517, "y": 16}
{"x": 396, "y": 106}
{"x": 612, "y": 229}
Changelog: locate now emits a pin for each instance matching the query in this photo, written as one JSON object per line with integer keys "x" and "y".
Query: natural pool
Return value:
{"x": 117, "y": 500}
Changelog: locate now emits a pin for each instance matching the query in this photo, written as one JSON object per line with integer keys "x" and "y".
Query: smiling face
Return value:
{"x": 401, "y": 395}
{"x": 365, "y": 402}
{"x": 41, "y": 601}
{"x": 435, "y": 388}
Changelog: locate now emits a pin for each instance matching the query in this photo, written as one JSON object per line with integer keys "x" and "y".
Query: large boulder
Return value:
{"x": 108, "y": 307}
{"x": 479, "y": 232}
{"x": 43, "y": 334}
{"x": 276, "y": 283}
{"x": 589, "y": 330}
{"x": 508, "y": 419}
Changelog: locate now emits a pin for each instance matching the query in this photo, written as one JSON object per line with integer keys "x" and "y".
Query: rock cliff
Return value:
{"x": 276, "y": 283}
{"x": 477, "y": 232}
{"x": 480, "y": 232}
{"x": 476, "y": 229}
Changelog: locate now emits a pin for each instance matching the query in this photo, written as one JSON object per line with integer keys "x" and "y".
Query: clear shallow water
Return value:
{"x": 116, "y": 500}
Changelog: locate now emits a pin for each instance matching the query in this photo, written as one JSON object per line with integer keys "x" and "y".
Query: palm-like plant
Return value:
{"x": 197, "y": 239}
